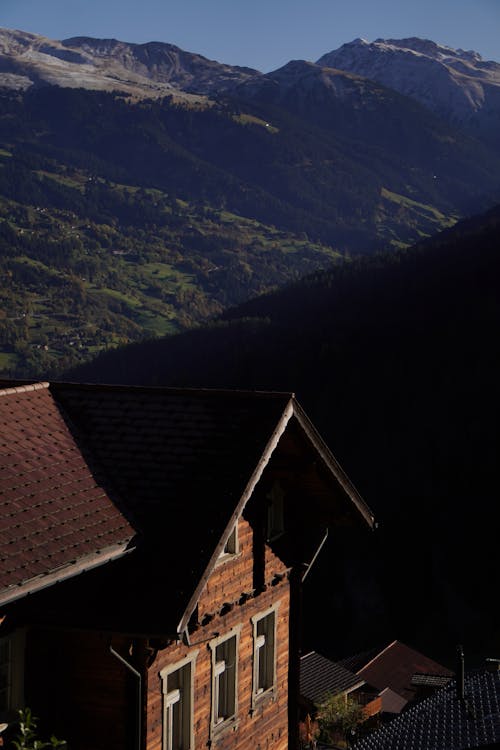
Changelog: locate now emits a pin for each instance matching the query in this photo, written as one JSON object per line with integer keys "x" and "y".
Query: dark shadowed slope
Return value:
{"x": 397, "y": 359}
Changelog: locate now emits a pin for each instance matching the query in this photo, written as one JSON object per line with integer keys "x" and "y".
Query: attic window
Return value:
{"x": 231, "y": 545}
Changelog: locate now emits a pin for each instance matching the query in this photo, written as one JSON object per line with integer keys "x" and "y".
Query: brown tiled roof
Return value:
{"x": 394, "y": 667}
{"x": 320, "y": 677}
{"x": 355, "y": 662}
{"x": 55, "y": 519}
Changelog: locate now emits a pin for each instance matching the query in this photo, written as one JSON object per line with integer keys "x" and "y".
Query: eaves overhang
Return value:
{"x": 74, "y": 568}
{"x": 360, "y": 507}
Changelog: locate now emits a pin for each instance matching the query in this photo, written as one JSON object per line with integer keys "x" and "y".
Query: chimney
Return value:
{"x": 460, "y": 681}
{"x": 460, "y": 676}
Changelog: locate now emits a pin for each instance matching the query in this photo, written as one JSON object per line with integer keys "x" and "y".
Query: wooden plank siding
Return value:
{"x": 260, "y": 724}
{"x": 83, "y": 694}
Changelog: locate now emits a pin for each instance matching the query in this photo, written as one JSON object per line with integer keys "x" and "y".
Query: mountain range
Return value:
{"x": 455, "y": 84}
{"x": 144, "y": 188}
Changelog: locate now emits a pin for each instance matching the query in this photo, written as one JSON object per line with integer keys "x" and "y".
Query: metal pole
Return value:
{"x": 139, "y": 691}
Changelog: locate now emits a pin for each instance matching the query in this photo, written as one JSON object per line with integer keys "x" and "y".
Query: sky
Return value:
{"x": 262, "y": 34}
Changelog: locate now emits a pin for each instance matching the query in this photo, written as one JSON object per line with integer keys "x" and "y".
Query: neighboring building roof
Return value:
{"x": 394, "y": 667}
{"x": 444, "y": 722}
{"x": 357, "y": 661}
{"x": 430, "y": 680}
{"x": 55, "y": 518}
{"x": 320, "y": 677}
{"x": 392, "y": 703}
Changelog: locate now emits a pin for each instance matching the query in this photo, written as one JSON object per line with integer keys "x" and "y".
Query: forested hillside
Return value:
{"x": 396, "y": 359}
{"x": 120, "y": 221}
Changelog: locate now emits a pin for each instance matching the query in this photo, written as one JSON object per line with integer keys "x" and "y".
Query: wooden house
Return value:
{"x": 154, "y": 544}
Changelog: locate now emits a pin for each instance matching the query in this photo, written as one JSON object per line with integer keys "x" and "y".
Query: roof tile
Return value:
{"x": 46, "y": 492}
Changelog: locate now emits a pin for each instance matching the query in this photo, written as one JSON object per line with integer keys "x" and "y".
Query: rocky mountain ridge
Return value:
{"x": 150, "y": 70}
{"x": 457, "y": 85}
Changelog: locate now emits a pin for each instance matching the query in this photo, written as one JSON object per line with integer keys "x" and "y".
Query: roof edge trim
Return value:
{"x": 95, "y": 560}
{"x": 334, "y": 466}
{"x": 377, "y": 656}
{"x": 24, "y": 388}
{"x": 254, "y": 478}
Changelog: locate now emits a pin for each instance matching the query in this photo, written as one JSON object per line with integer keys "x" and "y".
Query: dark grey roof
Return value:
{"x": 320, "y": 677}
{"x": 443, "y": 722}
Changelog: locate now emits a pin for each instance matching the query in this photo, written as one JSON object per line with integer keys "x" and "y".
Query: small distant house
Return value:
{"x": 153, "y": 545}
{"x": 400, "y": 674}
{"x": 320, "y": 678}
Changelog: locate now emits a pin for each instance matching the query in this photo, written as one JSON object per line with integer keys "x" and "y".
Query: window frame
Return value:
{"x": 219, "y": 725}
{"x": 258, "y": 693}
{"x": 173, "y": 697}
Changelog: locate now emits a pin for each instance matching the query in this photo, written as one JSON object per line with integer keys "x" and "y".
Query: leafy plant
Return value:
{"x": 27, "y": 738}
{"x": 339, "y": 715}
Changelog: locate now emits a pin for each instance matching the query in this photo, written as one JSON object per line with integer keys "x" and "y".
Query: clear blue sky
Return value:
{"x": 262, "y": 34}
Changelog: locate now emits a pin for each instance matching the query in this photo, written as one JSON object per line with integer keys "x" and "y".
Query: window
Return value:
{"x": 275, "y": 512}
{"x": 177, "y": 688}
{"x": 224, "y": 679}
{"x": 231, "y": 545}
{"x": 264, "y": 653}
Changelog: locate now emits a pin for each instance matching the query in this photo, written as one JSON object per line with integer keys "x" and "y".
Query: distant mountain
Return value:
{"x": 397, "y": 359}
{"x": 192, "y": 186}
{"x": 144, "y": 70}
{"x": 372, "y": 120}
{"x": 459, "y": 86}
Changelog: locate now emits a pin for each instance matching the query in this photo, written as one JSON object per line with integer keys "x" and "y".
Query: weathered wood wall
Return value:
{"x": 259, "y": 727}
{"x": 79, "y": 690}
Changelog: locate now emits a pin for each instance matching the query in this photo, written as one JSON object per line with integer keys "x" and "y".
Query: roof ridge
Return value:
{"x": 377, "y": 656}
{"x": 191, "y": 390}
{"x": 42, "y": 385}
